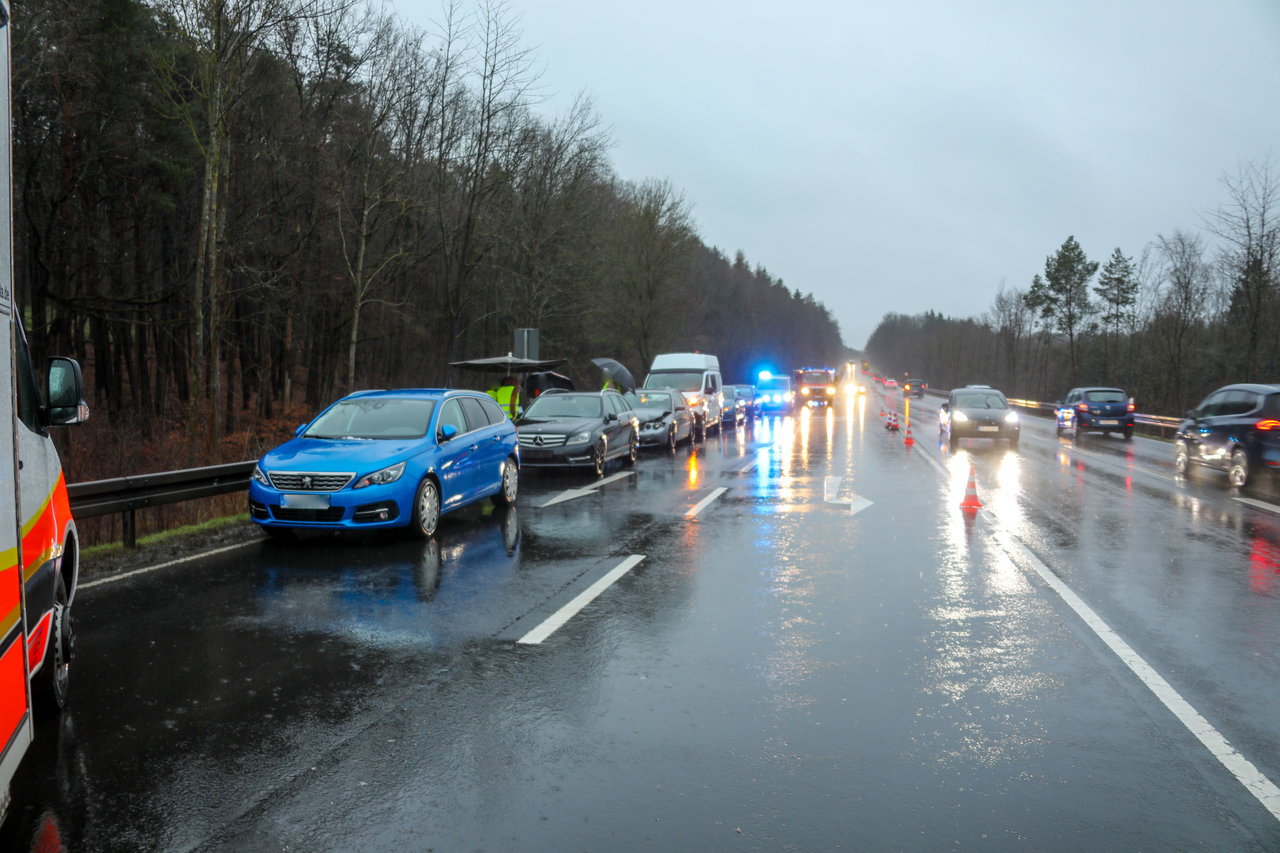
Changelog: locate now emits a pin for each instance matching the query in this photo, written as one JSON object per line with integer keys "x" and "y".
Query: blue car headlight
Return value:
{"x": 381, "y": 478}
{"x": 259, "y": 477}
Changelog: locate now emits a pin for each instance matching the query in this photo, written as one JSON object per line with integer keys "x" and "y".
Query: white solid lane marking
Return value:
{"x": 556, "y": 620}
{"x": 113, "y": 578}
{"x": 1245, "y": 772}
{"x": 1262, "y": 505}
{"x": 702, "y": 504}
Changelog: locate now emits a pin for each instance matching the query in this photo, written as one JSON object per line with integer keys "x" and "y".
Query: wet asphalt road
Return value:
{"x": 806, "y": 646}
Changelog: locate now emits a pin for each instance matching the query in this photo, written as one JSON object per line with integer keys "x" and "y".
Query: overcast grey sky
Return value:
{"x": 907, "y": 156}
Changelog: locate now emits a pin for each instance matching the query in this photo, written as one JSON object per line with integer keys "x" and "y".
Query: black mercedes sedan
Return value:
{"x": 578, "y": 428}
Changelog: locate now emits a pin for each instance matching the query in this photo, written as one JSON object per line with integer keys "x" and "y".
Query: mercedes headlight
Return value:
{"x": 579, "y": 438}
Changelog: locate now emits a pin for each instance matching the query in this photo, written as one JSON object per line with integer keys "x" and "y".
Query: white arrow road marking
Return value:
{"x": 571, "y": 494}
{"x": 564, "y": 614}
{"x": 831, "y": 487}
{"x": 567, "y": 495}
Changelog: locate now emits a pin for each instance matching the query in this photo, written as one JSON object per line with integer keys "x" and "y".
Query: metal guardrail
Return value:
{"x": 1158, "y": 421}
{"x": 125, "y": 495}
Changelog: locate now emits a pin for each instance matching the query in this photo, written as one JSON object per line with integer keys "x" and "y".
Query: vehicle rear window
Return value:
{"x": 1105, "y": 396}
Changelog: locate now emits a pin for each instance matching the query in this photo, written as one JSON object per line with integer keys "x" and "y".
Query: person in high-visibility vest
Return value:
{"x": 508, "y": 396}
{"x": 610, "y": 384}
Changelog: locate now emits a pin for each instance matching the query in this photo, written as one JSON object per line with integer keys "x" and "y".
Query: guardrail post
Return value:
{"x": 129, "y": 532}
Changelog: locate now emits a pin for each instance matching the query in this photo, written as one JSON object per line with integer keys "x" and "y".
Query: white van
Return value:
{"x": 697, "y": 376}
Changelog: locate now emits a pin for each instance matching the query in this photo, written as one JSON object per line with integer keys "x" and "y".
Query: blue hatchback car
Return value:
{"x": 379, "y": 459}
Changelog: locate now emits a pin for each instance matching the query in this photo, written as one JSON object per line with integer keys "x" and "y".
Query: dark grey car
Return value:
{"x": 977, "y": 412}
{"x": 578, "y": 428}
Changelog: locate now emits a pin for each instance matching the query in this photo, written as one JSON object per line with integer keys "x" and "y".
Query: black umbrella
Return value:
{"x": 615, "y": 371}
{"x": 509, "y": 364}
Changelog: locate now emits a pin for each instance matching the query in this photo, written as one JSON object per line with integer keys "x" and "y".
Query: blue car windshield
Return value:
{"x": 373, "y": 418}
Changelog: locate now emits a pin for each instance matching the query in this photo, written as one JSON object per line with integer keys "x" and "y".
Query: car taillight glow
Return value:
{"x": 1129, "y": 408}
{"x": 1084, "y": 407}
{"x": 1268, "y": 424}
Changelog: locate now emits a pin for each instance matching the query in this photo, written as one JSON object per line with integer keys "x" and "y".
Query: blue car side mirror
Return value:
{"x": 447, "y": 432}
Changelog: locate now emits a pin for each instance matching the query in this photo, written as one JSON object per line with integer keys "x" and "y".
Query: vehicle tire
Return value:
{"x": 699, "y": 430}
{"x": 1013, "y": 443}
{"x": 1076, "y": 432}
{"x": 633, "y": 450}
{"x": 671, "y": 440}
{"x": 1181, "y": 459}
{"x": 1238, "y": 474}
{"x": 510, "y": 483}
{"x": 49, "y": 693}
{"x": 597, "y": 458}
{"x": 1128, "y": 432}
{"x": 952, "y": 441}
{"x": 426, "y": 509}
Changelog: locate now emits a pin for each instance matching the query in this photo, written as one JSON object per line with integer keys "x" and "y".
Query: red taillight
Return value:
{"x": 1084, "y": 407}
{"x": 1129, "y": 408}
{"x": 1268, "y": 424}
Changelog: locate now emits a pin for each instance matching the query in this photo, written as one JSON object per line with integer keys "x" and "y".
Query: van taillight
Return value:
{"x": 1268, "y": 424}
{"x": 1129, "y": 408}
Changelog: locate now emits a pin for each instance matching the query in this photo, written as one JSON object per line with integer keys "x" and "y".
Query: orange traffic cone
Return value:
{"x": 893, "y": 422}
{"x": 908, "y": 441}
{"x": 971, "y": 502}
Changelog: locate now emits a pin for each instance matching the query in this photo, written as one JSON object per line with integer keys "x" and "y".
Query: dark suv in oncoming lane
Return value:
{"x": 1235, "y": 429}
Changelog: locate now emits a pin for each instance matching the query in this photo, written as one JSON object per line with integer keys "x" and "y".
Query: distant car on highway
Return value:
{"x": 379, "y": 459}
{"x": 891, "y": 386}
{"x": 1235, "y": 429}
{"x": 1095, "y": 410}
{"x": 815, "y": 386}
{"x": 977, "y": 411}
{"x": 734, "y": 409}
{"x": 914, "y": 387}
{"x": 751, "y": 397}
{"x": 776, "y": 393}
{"x": 578, "y": 428}
{"x": 665, "y": 419}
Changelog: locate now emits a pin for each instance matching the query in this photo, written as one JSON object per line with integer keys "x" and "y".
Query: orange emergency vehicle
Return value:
{"x": 39, "y": 551}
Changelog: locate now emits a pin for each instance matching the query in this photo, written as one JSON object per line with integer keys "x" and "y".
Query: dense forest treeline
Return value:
{"x": 1196, "y": 310}
{"x": 234, "y": 211}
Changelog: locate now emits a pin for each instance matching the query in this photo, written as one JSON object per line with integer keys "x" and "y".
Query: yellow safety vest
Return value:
{"x": 509, "y": 398}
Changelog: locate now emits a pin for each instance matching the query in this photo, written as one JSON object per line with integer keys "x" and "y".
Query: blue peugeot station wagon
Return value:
{"x": 377, "y": 459}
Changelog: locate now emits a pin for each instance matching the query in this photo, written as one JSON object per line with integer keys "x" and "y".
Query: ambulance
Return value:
{"x": 39, "y": 550}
